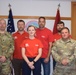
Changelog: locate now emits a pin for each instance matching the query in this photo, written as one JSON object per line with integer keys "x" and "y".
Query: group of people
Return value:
{"x": 27, "y": 51}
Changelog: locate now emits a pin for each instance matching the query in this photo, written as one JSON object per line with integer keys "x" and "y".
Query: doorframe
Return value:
{"x": 73, "y": 22}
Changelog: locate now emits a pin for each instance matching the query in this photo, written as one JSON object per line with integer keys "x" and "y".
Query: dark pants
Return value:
{"x": 17, "y": 65}
{"x": 46, "y": 66}
{"x": 54, "y": 63}
{"x": 27, "y": 70}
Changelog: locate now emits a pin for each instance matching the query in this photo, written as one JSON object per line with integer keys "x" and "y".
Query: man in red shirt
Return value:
{"x": 46, "y": 37}
{"x": 60, "y": 25}
{"x": 19, "y": 36}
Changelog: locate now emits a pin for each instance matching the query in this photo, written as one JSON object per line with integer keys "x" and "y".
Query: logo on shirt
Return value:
{"x": 43, "y": 36}
{"x": 55, "y": 40}
{"x": 26, "y": 37}
{"x": 15, "y": 37}
{"x": 36, "y": 44}
{"x": 26, "y": 44}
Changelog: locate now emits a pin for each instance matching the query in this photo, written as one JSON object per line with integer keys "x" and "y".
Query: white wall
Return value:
{"x": 37, "y": 8}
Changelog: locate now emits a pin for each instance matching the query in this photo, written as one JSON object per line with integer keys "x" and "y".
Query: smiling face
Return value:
{"x": 31, "y": 30}
{"x": 2, "y": 25}
{"x": 59, "y": 27}
{"x": 20, "y": 26}
{"x": 65, "y": 33}
{"x": 41, "y": 23}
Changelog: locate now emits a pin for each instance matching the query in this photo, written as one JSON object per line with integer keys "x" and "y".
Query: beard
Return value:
{"x": 59, "y": 30}
{"x": 21, "y": 29}
{"x": 41, "y": 26}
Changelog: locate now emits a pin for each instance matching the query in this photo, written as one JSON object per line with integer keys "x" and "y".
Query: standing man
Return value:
{"x": 6, "y": 49}
{"x": 60, "y": 25}
{"x": 46, "y": 37}
{"x": 57, "y": 36}
{"x": 19, "y": 36}
{"x": 64, "y": 53}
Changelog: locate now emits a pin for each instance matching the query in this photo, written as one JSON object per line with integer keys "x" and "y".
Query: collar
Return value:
{"x": 19, "y": 32}
{"x": 68, "y": 40}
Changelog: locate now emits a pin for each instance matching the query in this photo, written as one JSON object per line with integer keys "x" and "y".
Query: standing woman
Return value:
{"x": 31, "y": 52}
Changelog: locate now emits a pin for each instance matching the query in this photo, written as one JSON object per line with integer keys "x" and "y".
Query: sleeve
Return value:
{"x": 10, "y": 49}
{"x": 22, "y": 44}
{"x": 40, "y": 44}
{"x": 55, "y": 54}
{"x": 72, "y": 57}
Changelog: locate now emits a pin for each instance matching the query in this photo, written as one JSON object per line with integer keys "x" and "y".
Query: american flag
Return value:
{"x": 10, "y": 25}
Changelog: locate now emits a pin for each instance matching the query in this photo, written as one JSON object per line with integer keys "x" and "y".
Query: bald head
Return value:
{"x": 2, "y": 25}
{"x": 3, "y": 20}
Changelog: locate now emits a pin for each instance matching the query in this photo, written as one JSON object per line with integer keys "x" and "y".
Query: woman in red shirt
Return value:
{"x": 31, "y": 52}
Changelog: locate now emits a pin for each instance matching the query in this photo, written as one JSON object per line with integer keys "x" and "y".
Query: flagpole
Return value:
{"x": 9, "y": 6}
{"x": 10, "y": 25}
{"x": 57, "y": 19}
{"x": 58, "y": 6}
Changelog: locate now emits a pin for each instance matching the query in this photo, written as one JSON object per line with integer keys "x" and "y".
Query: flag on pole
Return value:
{"x": 10, "y": 25}
{"x": 57, "y": 19}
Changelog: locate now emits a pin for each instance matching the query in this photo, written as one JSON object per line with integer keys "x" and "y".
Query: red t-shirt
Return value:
{"x": 45, "y": 36}
{"x": 18, "y": 39}
{"x": 57, "y": 36}
{"x": 31, "y": 46}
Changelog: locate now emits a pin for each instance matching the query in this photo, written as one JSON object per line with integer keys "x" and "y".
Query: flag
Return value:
{"x": 10, "y": 25}
{"x": 57, "y": 19}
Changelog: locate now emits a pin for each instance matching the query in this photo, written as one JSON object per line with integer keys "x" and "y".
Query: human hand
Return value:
{"x": 2, "y": 58}
{"x": 30, "y": 64}
{"x": 64, "y": 61}
{"x": 46, "y": 60}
